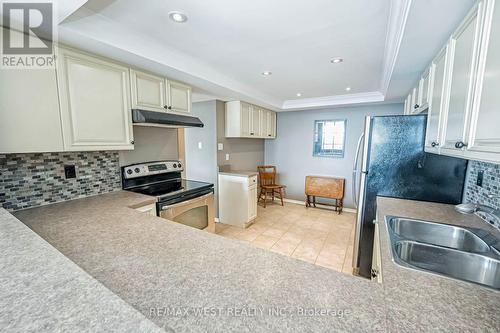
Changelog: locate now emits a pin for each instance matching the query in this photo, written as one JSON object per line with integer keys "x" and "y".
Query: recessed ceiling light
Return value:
{"x": 348, "y": 89}
{"x": 299, "y": 94}
{"x": 336, "y": 60}
{"x": 177, "y": 17}
{"x": 266, "y": 73}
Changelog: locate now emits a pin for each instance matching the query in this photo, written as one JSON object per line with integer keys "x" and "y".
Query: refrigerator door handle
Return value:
{"x": 355, "y": 171}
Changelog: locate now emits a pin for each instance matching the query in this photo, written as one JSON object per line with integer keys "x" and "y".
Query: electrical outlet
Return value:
{"x": 227, "y": 157}
{"x": 479, "y": 180}
{"x": 220, "y": 146}
{"x": 69, "y": 171}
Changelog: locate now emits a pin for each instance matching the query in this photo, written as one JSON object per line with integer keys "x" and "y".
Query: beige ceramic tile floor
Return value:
{"x": 314, "y": 235}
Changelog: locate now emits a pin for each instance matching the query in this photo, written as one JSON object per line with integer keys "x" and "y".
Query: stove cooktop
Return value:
{"x": 172, "y": 188}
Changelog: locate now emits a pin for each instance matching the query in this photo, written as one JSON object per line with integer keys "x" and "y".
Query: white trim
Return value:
{"x": 298, "y": 202}
{"x": 306, "y": 103}
{"x": 398, "y": 16}
{"x": 217, "y": 220}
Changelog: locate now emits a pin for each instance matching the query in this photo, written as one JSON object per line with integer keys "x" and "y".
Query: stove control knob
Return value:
{"x": 129, "y": 171}
{"x": 137, "y": 170}
{"x": 179, "y": 165}
{"x": 175, "y": 165}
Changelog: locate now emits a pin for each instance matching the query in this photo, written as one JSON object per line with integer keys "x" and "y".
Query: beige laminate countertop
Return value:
{"x": 240, "y": 173}
{"x": 153, "y": 264}
{"x": 419, "y": 301}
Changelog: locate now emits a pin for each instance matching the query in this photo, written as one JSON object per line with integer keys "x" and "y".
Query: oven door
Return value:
{"x": 196, "y": 212}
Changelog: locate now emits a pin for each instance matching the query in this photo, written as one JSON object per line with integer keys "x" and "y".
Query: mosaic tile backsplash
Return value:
{"x": 491, "y": 185}
{"x": 28, "y": 180}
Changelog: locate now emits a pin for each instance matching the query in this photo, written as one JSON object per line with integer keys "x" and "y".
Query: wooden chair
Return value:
{"x": 267, "y": 179}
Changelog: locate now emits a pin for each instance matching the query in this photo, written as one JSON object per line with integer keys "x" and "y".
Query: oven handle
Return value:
{"x": 183, "y": 203}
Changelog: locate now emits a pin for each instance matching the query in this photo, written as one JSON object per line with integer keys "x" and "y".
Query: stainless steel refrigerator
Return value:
{"x": 390, "y": 161}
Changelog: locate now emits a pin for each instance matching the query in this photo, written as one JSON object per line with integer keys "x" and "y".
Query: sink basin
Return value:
{"x": 453, "y": 263}
{"x": 438, "y": 234}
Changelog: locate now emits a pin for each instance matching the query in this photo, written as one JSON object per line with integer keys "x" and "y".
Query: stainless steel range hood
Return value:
{"x": 163, "y": 119}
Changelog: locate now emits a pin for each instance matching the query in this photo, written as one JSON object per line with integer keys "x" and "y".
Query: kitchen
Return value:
{"x": 131, "y": 186}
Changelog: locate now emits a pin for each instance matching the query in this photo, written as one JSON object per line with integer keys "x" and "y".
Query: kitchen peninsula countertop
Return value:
{"x": 169, "y": 272}
{"x": 43, "y": 291}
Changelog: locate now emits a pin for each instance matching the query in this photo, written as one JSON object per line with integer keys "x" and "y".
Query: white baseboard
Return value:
{"x": 298, "y": 202}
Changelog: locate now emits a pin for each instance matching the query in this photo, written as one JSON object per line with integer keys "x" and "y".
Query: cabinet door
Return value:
{"x": 414, "y": 97}
{"x": 252, "y": 202}
{"x": 485, "y": 134}
{"x": 274, "y": 124}
{"x": 95, "y": 102}
{"x": 423, "y": 90}
{"x": 246, "y": 113}
{"x": 179, "y": 97}
{"x": 148, "y": 91}
{"x": 463, "y": 46}
{"x": 437, "y": 103}
{"x": 270, "y": 125}
{"x": 255, "y": 121}
{"x": 29, "y": 111}
{"x": 408, "y": 105}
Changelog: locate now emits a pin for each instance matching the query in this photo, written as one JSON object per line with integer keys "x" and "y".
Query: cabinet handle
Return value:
{"x": 252, "y": 133}
{"x": 132, "y": 142}
{"x": 269, "y": 135}
{"x": 416, "y": 106}
{"x": 434, "y": 144}
{"x": 167, "y": 107}
{"x": 460, "y": 145}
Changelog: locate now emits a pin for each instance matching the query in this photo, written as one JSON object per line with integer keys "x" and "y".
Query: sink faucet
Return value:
{"x": 478, "y": 207}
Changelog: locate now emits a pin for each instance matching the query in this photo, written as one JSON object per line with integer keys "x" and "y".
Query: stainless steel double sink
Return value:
{"x": 457, "y": 252}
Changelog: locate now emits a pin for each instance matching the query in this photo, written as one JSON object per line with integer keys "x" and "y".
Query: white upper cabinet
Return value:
{"x": 147, "y": 90}
{"x": 94, "y": 102}
{"x": 255, "y": 123}
{"x": 29, "y": 111}
{"x": 155, "y": 93}
{"x": 178, "y": 97}
{"x": 484, "y": 139}
{"x": 408, "y": 106}
{"x": 268, "y": 124}
{"x": 437, "y": 102}
{"x": 463, "y": 55}
{"x": 424, "y": 92}
{"x": 244, "y": 120}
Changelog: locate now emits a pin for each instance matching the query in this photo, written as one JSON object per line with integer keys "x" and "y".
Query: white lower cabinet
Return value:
{"x": 237, "y": 199}
{"x": 94, "y": 103}
{"x": 252, "y": 202}
{"x": 376, "y": 271}
{"x": 484, "y": 138}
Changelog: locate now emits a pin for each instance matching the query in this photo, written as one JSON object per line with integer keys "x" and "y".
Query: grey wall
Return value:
{"x": 151, "y": 144}
{"x": 201, "y": 164}
{"x": 292, "y": 153}
{"x": 244, "y": 154}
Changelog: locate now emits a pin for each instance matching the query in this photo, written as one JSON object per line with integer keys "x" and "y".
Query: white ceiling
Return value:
{"x": 226, "y": 44}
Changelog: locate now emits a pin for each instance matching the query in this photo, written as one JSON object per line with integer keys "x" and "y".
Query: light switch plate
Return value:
{"x": 200, "y": 145}
{"x": 227, "y": 157}
{"x": 220, "y": 146}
